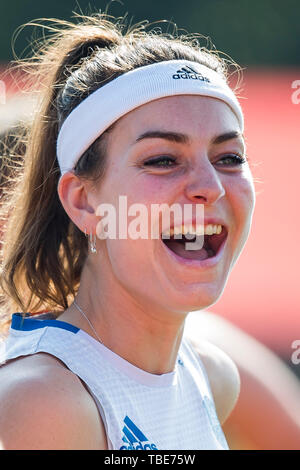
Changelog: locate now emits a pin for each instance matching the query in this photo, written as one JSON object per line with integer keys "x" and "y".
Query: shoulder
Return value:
{"x": 43, "y": 405}
{"x": 222, "y": 373}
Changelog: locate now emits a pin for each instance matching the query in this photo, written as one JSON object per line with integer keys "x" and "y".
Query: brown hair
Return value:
{"x": 43, "y": 251}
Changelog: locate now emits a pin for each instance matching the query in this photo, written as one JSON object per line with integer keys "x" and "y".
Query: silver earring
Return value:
{"x": 91, "y": 241}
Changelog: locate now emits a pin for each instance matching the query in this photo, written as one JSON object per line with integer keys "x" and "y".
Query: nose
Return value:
{"x": 204, "y": 185}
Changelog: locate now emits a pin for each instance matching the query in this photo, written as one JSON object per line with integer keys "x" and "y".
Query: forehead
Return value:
{"x": 190, "y": 114}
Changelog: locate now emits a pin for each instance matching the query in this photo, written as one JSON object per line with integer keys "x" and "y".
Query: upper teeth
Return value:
{"x": 193, "y": 230}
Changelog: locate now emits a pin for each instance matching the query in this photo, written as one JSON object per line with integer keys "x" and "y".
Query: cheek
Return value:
{"x": 142, "y": 191}
{"x": 148, "y": 190}
{"x": 241, "y": 197}
{"x": 132, "y": 264}
{"x": 246, "y": 196}
{"x": 144, "y": 201}
{"x": 240, "y": 193}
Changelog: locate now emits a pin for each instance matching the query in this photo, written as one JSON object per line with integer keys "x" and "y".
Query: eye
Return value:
{"x": 232, "y": 160}
{"x": 161, "y": 162}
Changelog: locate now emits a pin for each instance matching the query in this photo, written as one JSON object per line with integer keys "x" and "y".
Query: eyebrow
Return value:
{"x": 184, "y": 139}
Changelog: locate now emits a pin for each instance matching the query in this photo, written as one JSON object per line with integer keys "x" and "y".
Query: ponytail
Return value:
{"x": 42, "y": 250}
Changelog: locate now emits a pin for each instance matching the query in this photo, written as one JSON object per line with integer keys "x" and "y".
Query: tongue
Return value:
{"x": 179, "y": 248}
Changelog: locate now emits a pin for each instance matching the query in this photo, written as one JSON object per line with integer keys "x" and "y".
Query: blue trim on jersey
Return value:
{"x": 23, "y": 323}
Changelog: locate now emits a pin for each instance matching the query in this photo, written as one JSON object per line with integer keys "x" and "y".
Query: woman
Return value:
{"x": 149, "y": 118}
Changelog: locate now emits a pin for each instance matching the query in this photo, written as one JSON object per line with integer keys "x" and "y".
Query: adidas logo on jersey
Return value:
{"x": 188, "y": 73}
{"x": 133, "y": 437}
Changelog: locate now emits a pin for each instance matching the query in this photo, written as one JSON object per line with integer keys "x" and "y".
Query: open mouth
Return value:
{"x": 186, "y": 246}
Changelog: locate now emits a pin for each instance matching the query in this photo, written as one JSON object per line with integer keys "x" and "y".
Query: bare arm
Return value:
{"x": 47, "y": 408}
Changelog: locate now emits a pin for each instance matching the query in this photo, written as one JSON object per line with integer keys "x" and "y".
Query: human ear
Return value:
{"x": 73, "y": 194}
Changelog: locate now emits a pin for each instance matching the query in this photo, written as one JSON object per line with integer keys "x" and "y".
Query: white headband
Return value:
{"x": 128, "y": 91}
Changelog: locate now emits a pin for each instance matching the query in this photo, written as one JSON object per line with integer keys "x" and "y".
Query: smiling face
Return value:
{"x": 177, "y": 150}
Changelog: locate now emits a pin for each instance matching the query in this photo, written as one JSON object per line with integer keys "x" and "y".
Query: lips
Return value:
{"x": 187, "y": 247}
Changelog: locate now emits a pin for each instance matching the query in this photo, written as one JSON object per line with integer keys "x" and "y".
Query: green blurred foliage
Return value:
{"x": 252, "y": 32}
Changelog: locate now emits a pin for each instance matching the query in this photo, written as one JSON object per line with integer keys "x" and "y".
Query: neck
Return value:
{"x": 142, "y": 333}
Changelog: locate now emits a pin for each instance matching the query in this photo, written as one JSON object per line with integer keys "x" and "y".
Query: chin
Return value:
{"x": 197, "y": 298}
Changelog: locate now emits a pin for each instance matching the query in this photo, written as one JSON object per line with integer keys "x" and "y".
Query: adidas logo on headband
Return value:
{"x": 188, "y": 73}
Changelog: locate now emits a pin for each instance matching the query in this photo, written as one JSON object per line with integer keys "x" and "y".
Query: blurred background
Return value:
{"x": 262, "y": 296}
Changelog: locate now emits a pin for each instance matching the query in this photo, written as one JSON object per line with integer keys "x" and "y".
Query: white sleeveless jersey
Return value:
{"x": 172, "y": 411}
